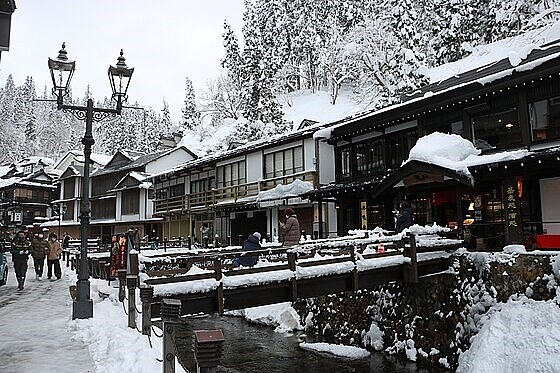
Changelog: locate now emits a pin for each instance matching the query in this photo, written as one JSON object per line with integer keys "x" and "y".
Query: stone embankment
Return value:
{"x": 430, "y": 322}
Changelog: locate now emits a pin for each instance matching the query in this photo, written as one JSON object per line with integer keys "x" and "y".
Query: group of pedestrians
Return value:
{"x": 291, "y": 235}
{"x": 40, "y": 249}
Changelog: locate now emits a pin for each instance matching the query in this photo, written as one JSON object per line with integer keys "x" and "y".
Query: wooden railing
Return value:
{"x": 230, "y": 193}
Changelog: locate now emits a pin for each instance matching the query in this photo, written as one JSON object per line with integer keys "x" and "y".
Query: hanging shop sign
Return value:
{"x": 511, "y": 207}
{"x": 118, "y": 255}
{"x": 422, "y": 178}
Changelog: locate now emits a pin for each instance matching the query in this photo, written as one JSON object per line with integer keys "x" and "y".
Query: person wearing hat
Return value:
{"x": 290, "y": 229}
{"x": 252, "y": 243}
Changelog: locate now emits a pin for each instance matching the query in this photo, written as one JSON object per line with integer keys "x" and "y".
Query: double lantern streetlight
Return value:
{"x": 62, "y": 70}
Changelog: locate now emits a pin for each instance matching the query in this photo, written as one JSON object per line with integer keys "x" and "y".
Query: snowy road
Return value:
{"x": 33, "y": 328}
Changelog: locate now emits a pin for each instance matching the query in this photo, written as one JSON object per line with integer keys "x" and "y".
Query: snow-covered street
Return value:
{"x": 34, "y": 328}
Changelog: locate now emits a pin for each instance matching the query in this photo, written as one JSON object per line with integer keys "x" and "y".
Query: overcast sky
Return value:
{"x": 164, "y": 41}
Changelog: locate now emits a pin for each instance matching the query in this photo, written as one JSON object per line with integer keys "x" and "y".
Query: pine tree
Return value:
{"x": 191, "y": 115}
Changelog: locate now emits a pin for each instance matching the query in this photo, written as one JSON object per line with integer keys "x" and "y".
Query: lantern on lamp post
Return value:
{"x": 120, "y": 75}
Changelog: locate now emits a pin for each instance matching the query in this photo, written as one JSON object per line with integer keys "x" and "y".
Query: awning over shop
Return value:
{"x": 418, "y": 172}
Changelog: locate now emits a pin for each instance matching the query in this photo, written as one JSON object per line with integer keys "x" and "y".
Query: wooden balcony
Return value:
{"x": 231, "y": 194}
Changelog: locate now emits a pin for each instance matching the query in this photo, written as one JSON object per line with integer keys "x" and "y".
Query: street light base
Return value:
{"x": 82, "y": 309}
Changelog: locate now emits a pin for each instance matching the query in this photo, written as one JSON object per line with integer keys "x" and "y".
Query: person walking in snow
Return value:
{"x": 20, "y": 249}
{"x": 290, "y": 229}
{"x": 404, "y": 219}
{"x": 38, "y": 252}
{"x": 66, "y": 241}
{"x": 205, "y": 235}
{"x": 252, "y": 243}
{"x": 53, "y": 257}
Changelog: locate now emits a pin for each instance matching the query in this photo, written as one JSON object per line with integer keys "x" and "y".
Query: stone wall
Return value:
{"x": 432, "y": 321}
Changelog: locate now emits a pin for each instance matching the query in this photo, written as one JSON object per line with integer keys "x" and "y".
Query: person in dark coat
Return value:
{"x": 404, "y": 219}
{"x": 290, "y": 229}
{"x": 38, "y": 252}
{"x": 21, "y": 248}
{"x": 252, "y": 243}
{"x": 66, "y": 241}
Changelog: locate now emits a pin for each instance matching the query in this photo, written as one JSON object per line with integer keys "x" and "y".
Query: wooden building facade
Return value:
{"x": 511, "y": 113}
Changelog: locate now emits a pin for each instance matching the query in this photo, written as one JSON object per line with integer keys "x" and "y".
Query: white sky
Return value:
{"x": 164, "y": 41}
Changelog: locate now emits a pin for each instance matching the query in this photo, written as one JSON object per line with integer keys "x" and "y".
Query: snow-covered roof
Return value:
{"x": 457, "y": 153}
{"x": 502, "y": 59}
{"x": 245, "y": 148}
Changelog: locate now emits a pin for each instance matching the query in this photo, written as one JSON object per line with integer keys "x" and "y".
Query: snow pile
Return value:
{"x": 446, "y": 150}
{"x": 524, "y": 336}
{"x": 282, "y": 316}
{"x": 254, "y": 279}
{"x": 374, "y": 337}
{"x": 186, "y": 287}
{"x": 113, "y": 346}
{"x": 295, "y": 189}
{"x": 456, "y": 153}
{"x": 514, "y": 249}
{"x": 349, "y": 352}
{"x": 427, "y": 229}
{"x": 304, "y": 104}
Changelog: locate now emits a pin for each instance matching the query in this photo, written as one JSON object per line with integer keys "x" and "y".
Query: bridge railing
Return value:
{"x": 290, "y": 274}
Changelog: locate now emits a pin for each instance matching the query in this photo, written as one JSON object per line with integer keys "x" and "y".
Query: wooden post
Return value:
{"x": 170, "y": 311}
{"x": 146, "y": 296}
{"x": 133, "y": 264}
{"x": 121, "y": 275}
{"x": 292, "y": 264}
{"x": 355, "y": 285}
{"x": 94, "y": 267}
{"x": 208, "y": 346}
{"x": 131, "y": 285}
{"x": 220, "y": 289}
{"x": 410, "y": 270}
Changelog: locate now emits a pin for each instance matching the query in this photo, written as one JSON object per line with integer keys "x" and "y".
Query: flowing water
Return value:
{"x": 250, "y": 348}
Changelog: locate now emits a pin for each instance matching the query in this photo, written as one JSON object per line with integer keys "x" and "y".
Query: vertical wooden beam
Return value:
{"x": 121, "y": 275}
{"x": 355, "y": 284}
{"x": 459, "y": 206}
{"x": 146, "y": 296}
{"x": 320, "y": 216}
{"x": 131, "y": 285}
{"x": 220, "y": 289}
{"x": 292, "y": 264}
{"x": 410, "y": 270}
{"x": 170, "y": 311}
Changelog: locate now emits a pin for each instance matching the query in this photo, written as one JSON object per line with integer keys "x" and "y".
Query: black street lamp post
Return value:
{"x": 61, "y": 72}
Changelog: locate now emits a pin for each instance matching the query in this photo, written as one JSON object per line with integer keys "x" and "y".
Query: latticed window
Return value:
{"x": 130, "y": 203}
{"x": 284, "y": 162}
{"x": 231, "y": 174}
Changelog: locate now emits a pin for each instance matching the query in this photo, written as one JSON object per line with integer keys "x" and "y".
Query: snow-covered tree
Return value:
{"x": 191, "y": 115}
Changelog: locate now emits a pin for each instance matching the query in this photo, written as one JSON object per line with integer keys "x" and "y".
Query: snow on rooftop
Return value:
{"x": 294, "y": 189}
{"x": 317, "y": 106}
{"x": 516, "y": 49}
{"x": 4, "y": 170}
{"x": 456, "y": 153}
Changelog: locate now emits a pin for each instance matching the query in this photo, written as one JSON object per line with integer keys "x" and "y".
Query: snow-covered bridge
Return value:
{"x": 209, "y": 284}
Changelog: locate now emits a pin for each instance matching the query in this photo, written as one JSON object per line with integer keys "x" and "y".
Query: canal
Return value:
{"x": 250, "y": 348}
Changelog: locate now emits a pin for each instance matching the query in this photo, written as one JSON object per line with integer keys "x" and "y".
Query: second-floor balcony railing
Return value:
{"x": 229, "y": 194}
